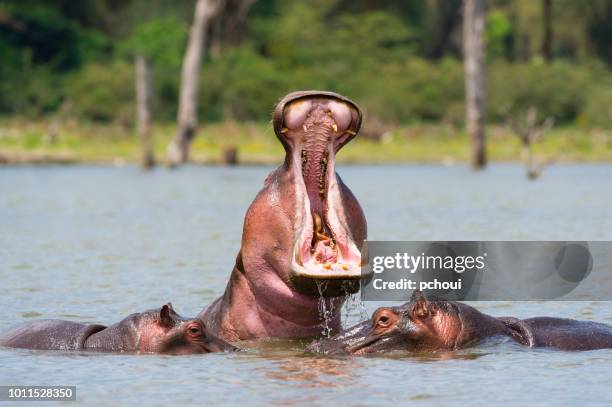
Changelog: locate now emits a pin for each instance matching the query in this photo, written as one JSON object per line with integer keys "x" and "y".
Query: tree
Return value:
{"x": 143, "y": 101}
{"x": 178, "y": 150}
{"x": 529, "y": 132}
{"x": 473, "y": 61}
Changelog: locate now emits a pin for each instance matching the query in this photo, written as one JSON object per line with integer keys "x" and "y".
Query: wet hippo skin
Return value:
{"x": 155, "y": 331}
{"x": 303, "y": 232}
{"x": 423, "y": 325}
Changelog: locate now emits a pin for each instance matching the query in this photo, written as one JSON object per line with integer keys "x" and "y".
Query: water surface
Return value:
{"x": 95, "y": 244}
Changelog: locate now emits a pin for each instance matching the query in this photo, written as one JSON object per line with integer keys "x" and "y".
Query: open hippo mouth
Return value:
{"x": 313, "y": 126}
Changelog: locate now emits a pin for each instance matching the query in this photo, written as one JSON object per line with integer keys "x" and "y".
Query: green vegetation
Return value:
{"x": 70, "y": 63}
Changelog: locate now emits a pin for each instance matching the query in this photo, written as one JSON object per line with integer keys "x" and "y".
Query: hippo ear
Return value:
{"x": 165, "y": 315}
{"x": 420, "y": 306}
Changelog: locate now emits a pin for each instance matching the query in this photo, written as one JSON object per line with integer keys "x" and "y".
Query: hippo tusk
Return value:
{"x": 318, "y": 229}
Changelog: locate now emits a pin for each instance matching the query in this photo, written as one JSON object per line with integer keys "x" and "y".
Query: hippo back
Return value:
{"x": 49, "y": 334}
{"x": 561, "y": 333}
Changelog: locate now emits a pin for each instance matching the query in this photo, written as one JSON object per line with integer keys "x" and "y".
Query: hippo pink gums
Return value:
{"x": 421, "y": 326}
{"x": 304, "y": 227}
{"x": 155, "y": 331}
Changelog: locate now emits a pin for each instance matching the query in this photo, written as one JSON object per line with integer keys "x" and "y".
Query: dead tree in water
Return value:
{"x": 473, "y": 62}
{"x": 144, "y": 108}
{"x": 230, "y": 155}
{"x": 178, "y": 150}
{"x": 530, "y": 133}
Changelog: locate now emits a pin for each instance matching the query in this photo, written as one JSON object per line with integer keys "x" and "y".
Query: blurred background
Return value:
{"x": 69, "y": 78}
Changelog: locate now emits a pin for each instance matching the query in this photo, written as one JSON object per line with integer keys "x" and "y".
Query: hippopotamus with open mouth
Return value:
{"x": 303, "y": 232}
{"x": 155, "y": 331}
{"x": 423, "y": 325}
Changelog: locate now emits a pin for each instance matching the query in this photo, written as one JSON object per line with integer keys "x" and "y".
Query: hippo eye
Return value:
{"x": 383, "y": 321}
{"x": 194, "y": 329}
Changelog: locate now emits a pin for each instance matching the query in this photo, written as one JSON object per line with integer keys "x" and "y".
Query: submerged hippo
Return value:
{"x": 154, "y": 331}
{"x": 421, "y": 326}
{"x": 305, "y": 226}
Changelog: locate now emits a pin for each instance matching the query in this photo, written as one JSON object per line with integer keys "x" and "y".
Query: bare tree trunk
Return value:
{"x": 473, "y": 61}
{"x": 548, "y": 33}
{"x": 178, "y": 150}
{"x": 144, "y": 108}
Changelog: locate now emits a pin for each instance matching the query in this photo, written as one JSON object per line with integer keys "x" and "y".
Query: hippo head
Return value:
{"x": 420, "y": 325}
{"x": 328, "y": 227}
{"x": 165, "y": 331}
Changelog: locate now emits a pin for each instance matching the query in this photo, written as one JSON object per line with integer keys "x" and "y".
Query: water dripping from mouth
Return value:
{"x": 326, "y": 309}
{"x": 354, "y": 308}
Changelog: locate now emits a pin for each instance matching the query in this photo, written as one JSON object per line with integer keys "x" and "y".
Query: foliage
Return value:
{"x": 378, "y": 53}
{"x": 161, "y": 40}
{"x": 103, "y": 92}
{"x": 559, "y": 90}
{"x": 498, "y": 35}
{"x": 50, "y": 37}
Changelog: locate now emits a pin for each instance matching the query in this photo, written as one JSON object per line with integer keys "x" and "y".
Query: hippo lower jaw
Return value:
{"x": 324, "y": 249}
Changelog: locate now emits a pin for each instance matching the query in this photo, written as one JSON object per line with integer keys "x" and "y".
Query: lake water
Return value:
{"x": 95, "y": 244}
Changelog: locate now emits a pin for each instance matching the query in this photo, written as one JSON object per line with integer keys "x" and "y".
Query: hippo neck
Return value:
{"x": 476, "y": 326}
{"x": 242, "y": 313}
{"x": 120, "y": 337}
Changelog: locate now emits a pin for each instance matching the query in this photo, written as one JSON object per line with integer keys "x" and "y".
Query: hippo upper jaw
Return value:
{"x": 312, "y": 127}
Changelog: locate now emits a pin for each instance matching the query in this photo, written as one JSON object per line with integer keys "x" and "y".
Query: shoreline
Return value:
{"x": 36, "y": 142}
{"x": 67, "y": 159}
